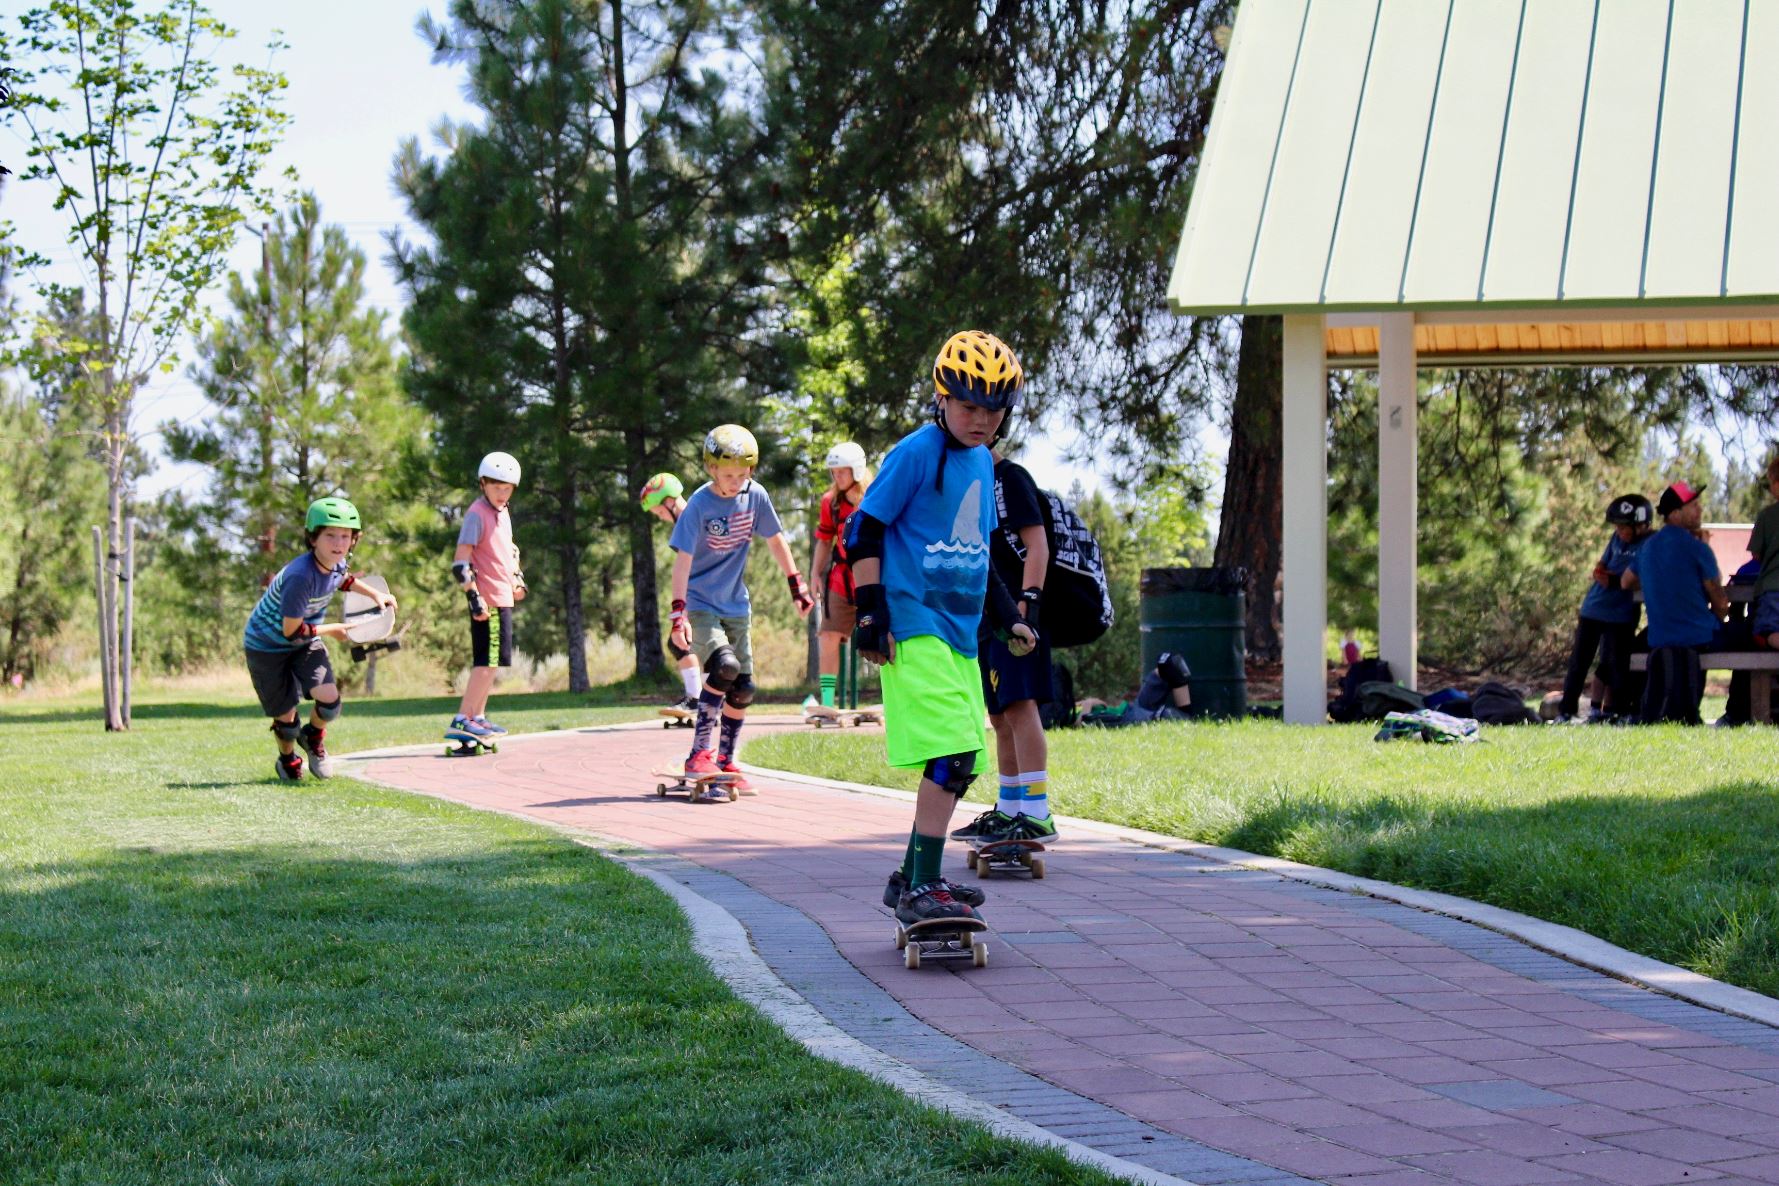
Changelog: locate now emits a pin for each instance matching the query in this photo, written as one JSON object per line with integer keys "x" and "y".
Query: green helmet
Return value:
{"x": 331, "y": 512}
{"x": 659, "y": 489}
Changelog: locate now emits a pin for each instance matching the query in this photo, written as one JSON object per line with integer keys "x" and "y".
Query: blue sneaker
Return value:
{"x": 468, "y": 728}
{"x": 497, "y": 730}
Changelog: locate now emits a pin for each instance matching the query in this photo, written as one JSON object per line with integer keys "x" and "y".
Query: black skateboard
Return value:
{"x": 942, "y": 939}
{"x": 469, "y": 745}
{"x": 1006, "y": 856}
{"x": 698, "y": 788}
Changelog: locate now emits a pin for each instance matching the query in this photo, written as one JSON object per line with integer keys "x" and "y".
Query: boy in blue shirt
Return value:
{"x": 1608, "y": 613}
{"x": 712, "y": 610}
{"x": 286, "y": 658}
{"x": 1763, "y": 545}
{"x": 919, "y": 549}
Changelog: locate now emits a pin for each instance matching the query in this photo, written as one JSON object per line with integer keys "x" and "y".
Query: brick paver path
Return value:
{"x": 1221, "y": 1023}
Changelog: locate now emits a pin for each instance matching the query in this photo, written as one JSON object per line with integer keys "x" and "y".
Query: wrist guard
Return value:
{"x": 464, "y": 573}
{"x": 800, "y": 592}
{"x": 676, "y": 613}
{"x": 871, "y": 628}
{"x": 1029, "y": 599}
{"x": 476, "y": 608}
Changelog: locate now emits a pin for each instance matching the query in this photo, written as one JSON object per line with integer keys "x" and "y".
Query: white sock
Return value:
{"x": 693, "y": 679}
{"x": 1012, "y": 795}
{"x": 1035, "y": 801}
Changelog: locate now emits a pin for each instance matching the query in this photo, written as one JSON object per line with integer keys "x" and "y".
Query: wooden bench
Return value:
{"x": 1760, "y": 688}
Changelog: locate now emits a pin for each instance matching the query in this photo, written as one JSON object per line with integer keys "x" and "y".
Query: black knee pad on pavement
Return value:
{"x": 955, "y": 772}
{"x": 286, "y": 730}
{"x": 742, "y": 694}
{"x": 327, "y": 710}
{"x": 722, "y": 668}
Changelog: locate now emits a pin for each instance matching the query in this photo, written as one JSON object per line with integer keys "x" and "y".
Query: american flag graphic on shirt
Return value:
{"x": 730, "y": 532}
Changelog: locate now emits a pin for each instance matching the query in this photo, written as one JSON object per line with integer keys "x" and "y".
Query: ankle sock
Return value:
{"x": 1012, "y": 795}
{"x": 710, "y": 705}
{"x": 694, "y": 681}
{"x": 827, "y": 683}
{"x": 1035, "y": 801}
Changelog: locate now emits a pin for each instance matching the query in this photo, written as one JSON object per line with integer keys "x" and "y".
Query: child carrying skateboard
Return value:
{"x": 663, "y": 496}
{"x": 850, "y": 477}
{"x": 486, "y": 567}
{"x": 711, "y": 610}
{"x": 286, "y": 658}
{"x": 1014, "y": 685}
{"x": 919, "y": 550}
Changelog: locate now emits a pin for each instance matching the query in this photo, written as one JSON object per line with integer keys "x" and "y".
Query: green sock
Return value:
{"x": 827, "y": 684}
{"x": 929, "y": 856}
{"x": 908, "y": 857}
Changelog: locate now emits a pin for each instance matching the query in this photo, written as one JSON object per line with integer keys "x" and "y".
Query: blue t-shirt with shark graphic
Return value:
{"x": 935, "y": 540}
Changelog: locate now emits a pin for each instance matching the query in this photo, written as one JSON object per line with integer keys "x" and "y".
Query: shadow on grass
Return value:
{"x": 522, "y": 1012}
{"x": 1689, "y": 879}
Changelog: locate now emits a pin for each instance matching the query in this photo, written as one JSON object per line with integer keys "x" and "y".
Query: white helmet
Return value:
{"x": 502, "y": 467}
{"x": 847, "y": 455}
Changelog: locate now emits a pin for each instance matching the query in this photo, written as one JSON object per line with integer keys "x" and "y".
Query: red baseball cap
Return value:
{"x": 1675, "y": 497}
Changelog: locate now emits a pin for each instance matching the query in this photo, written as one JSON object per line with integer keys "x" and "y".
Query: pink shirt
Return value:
{"x": 489, "y": 534}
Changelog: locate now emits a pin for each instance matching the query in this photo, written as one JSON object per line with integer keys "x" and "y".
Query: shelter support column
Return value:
{"x": 1305, "y": 554}
{"x": 1398, "y": 455}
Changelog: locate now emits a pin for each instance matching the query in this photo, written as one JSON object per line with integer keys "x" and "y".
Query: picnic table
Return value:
{"x": 1760, "y": 686}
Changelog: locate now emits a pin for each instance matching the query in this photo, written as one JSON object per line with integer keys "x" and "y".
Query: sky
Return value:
{"x": 361, "y": 81}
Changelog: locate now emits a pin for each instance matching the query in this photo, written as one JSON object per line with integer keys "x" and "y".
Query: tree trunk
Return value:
{"x": 645, "y": 595}
{"x": 107, "y": 687}
{"x": 1250, "y": 532}
{"x": 127, "y": 646}
{"x": 574, "y": 618}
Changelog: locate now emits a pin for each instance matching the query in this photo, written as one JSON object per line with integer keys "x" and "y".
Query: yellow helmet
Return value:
{"x": 979, "y": 368}
{"x": 731, "y": 444}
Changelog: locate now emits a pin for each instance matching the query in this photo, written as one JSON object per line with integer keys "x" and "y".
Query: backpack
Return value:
{"x": 1497, "y": 704}
{"x": 1059, "y": 711}
{"x": 1378, "y": 699}
{"x": 1077, "y": 599}
{"x": 1344, "y": 708}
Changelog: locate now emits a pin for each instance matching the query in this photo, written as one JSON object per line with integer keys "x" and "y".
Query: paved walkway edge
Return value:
{"x": 1577, "y": 947}
{"x": 723, "y": 942}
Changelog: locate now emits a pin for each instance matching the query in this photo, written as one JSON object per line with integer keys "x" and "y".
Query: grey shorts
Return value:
{"x": 284, "y": 679}
{"x": 710, "y": 632}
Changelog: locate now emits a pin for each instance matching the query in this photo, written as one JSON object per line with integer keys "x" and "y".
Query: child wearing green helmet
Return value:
{"x": 286, "y": 658}
{"x": 663, "y": 496}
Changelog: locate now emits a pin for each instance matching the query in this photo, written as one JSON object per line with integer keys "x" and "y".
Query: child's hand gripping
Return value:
{"x": 679, "y": 630}
{"x": 800, "y": 593}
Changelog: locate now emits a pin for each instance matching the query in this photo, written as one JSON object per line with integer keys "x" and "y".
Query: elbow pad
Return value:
{"x": 464, "y": 573}
{"x": 306, "y": 630}
{"x": 864, "y": 538}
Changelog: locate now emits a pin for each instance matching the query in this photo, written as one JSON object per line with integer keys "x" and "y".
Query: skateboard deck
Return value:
{"x": 368, "y": 623}
{"x": 678, "y": 718}
{"x": 942, "y": 939}
{"x": 697, "y": 788}
{"x": 823, "y": 716}
{"x": 1006, "y": 856}
{"x": 469, "y": 745}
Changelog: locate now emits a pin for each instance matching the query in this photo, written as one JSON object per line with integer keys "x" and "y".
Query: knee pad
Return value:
{"x": 1173, "y": 670}
{"x": 327, "y": 710}
{"x": 742, "y": 694}
{"x": 286, "y": 730}
{"x": 722, "y": 668}
{"x": 955, "y": 772}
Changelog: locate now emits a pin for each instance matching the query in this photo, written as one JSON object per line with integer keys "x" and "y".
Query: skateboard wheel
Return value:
{"x": 901, "y": 937}
{"x": 661, "y": 789}
{"x": 970, "y": 858}
{"x": 983, "y": 869}
{"x": 979, "y": 954}
{"x": 967, "y": 939}
{"x": 733, "y": 793}
{"x": 911, "y": 957}
{"x": 1037, "y": 868}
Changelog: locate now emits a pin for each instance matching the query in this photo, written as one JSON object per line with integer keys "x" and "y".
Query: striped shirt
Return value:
{"x": 302, "y": 589}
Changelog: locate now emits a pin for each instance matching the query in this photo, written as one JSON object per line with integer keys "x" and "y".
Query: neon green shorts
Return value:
{"x": 932, "y": 704}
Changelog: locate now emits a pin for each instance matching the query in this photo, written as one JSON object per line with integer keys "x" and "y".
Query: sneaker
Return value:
{"x": 726, "y": 763}
{"x": 470, "y": 728}
{"x": 311, "y": 740}
{"x": 684, "y": 707}
{"x": 1025, "y": 827}
{"x": 1596, "y": 716}
{"x": 702, "y": 762}
{"x": 497, "y": 730}
{"x": 290, "y": 767}
{"x": 969, "y": 895}
{"x": 930, "y": 900}
{"x": 989, "y": 823}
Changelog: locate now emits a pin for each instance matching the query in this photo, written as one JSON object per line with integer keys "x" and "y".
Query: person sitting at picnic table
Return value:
{"x": 1684, "y": 598}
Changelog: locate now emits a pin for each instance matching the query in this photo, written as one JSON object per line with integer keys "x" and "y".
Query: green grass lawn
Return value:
{"x": 209, "y": 976}
{"x": 1662, "y": 840}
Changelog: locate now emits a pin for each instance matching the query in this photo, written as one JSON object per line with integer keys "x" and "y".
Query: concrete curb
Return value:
{"x": 725, "y": 946}
{"x": 1578, "y": 947}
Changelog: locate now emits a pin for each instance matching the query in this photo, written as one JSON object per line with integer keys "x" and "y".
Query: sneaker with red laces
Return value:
{"x": 290, "y": 767}
{"x": 726, "y": 763}
{"x": 930, "y": 900}
{"x": 701, "y": 762}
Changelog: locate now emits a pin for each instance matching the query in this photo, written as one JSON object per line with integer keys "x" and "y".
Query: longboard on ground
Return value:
{"x": 677, "y": 717}
{"x": 369, "y": 623}
{"x": 469, "y": 745}
{"x": 1006, "y": 856}
{"x": 698, "y": 788}
{"x": 823, "y": 716}
{"x": 942, "y": 939}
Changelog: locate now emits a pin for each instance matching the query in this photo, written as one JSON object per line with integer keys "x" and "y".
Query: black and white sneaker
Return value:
{"x": 969, "y": 895}
{"x": 290, "y": 768}
{"x": 311, "y": 739}
{"x": 928, "y": 901}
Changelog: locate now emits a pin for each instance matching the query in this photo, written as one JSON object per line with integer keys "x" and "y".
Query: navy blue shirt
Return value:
{"x": 1613, "y": 603}
{"x": 1673, "y": 565}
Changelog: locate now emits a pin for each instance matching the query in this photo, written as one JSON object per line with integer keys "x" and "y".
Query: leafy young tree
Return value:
{"x": 154, "y": 164}
{"x": 588, "y": 297}
{"x": 303, "y": 386}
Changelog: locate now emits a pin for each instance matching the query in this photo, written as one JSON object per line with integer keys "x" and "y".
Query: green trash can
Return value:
{"x": 1200, "y": 614}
